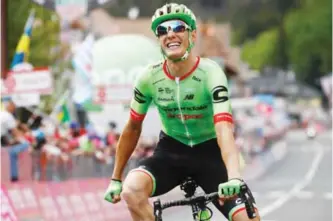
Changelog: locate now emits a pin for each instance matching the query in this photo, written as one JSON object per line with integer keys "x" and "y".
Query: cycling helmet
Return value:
{"x": 172, "y": 11}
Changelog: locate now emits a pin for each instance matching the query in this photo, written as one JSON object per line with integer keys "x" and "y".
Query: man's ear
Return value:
{"x": 194, "y": 35}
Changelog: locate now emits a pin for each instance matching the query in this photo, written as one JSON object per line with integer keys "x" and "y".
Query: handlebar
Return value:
{"x": 191, "y": 200}
{"x": 206, "y": 198}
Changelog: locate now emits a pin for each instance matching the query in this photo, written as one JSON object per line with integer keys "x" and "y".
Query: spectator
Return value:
{"x": 111, "y": 135}
{"x": 12, "y": 138}
{"x": 8, "y": 124}
{"x": 111, "y": 139}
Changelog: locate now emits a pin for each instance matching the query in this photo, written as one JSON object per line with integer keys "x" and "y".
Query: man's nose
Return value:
{"x": 170, "y": 33}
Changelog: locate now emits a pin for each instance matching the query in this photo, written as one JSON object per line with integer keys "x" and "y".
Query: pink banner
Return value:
{"x": 7, "y": 209}
{"x": 70, "y": 200}
{"x": 24, "y": 200}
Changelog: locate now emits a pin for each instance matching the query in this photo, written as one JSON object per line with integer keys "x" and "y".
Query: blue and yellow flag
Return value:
{"x": 23, "y": 46}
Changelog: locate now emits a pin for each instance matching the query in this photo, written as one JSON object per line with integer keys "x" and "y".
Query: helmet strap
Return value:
{"x": 187, "y": 52}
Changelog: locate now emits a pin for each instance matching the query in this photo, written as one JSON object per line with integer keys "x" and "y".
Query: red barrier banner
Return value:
{"x": 7, "y": 209}
{"x": 70, "y": 200}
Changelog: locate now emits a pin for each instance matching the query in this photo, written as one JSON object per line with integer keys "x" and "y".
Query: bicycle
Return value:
{"x": 200, "y": 210}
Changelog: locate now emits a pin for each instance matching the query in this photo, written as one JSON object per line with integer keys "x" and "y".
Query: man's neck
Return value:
{"x": 178, "y": 69}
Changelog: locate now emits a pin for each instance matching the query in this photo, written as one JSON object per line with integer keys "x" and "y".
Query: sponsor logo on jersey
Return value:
{"x": 157, "y": 65}
{"x": 220, "y": 94}
{"x": 166, "y": 99}
{"x": 193, "y": 108}
{"x": 139, "y": 97}
{"x": 185, "y": 116}
{"x": 189, "y": 97}
{"x": 168, "y": 90}
{"x": 196, "y": 78}
{"x": 239, "y": 201}
{"x": 155, "y": 82}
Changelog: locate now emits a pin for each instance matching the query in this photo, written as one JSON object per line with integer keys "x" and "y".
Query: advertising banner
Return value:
{"x": 38, "y": 80}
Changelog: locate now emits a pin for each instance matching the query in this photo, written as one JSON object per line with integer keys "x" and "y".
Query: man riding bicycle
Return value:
{"x": 191, "y": 94}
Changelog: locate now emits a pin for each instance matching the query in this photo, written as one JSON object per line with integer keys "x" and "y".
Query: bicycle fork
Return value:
{"x": 200, "y": 212}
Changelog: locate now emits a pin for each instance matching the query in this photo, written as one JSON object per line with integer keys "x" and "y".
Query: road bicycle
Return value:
{"x": 200, "y": 210}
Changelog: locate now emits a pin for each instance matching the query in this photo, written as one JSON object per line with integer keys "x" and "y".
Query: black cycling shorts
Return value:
{"x": 173, "y": 161}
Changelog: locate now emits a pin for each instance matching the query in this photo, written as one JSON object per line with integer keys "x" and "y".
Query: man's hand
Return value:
{"x": 112, "y": 194}
{"x": 229, "y": 190}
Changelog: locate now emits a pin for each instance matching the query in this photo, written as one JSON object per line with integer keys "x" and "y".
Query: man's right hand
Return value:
{"x": 112, "y": 194}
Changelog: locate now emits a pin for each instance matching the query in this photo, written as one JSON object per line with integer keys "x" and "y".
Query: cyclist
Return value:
{"x": 191, "y": 94}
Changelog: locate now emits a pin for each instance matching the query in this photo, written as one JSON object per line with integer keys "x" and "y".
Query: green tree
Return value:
{"x": 309, "y": 39}
{"x": 45, "y": 35}
{"x": 249, "y": 18}
{"x": 262, "y": 51}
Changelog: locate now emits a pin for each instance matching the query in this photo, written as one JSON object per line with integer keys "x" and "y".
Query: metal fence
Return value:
{"x": 37, "y": 166}
{"x": 77, "y": 167}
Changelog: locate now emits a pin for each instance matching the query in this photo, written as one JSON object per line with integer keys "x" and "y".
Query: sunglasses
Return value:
{"x": 175, "y": 25}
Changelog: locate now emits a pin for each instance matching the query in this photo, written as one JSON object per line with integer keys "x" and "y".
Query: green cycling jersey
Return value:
{"x": 188, "y": 106}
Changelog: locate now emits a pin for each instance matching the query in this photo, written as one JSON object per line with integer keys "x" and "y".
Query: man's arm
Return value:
{"x": 129, "y": 138}
{"x": 218, "y": 86}
{"x": 126, "y": 145}
{"x": 230, "y": 154}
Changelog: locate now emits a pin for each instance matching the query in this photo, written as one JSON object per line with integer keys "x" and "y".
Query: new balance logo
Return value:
{"x": 189, "y": 97}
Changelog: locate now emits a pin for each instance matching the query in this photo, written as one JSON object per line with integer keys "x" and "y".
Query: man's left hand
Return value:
{"x": 230, "y": 188}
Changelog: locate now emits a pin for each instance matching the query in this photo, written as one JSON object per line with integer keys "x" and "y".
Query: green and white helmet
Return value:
{"x": 172, "y": 11}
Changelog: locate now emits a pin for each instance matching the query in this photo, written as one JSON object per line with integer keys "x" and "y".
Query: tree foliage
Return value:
{"x": 309, "y": 39}
{"x": 303, "y": 40}
{"x": 261, "y": 51}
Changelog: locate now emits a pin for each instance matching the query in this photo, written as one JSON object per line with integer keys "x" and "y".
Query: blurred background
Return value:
{"x": 67, "y": 71}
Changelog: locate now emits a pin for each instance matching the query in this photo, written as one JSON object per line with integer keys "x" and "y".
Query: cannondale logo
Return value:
{"x": 139, "y": 97}
{"x": 220, "y": 94}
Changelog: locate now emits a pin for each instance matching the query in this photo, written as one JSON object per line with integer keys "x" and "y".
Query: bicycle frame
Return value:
{"x": 200, "y": 211}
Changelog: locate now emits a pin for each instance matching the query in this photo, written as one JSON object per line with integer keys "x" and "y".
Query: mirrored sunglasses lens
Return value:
{"x": 161, "y": 30}
{"x": 179, "y": 28}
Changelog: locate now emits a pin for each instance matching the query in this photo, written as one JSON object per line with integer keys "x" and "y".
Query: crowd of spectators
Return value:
{"x": 58, "y": 147}
{"x": 73, "y": 150}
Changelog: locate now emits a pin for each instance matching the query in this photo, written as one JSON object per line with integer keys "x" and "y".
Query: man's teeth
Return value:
{"x": 171, "y": 45}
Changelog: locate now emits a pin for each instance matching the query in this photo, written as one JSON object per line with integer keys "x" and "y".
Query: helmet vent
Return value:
{"x": 161, "y": 12}
{"x": 169, "y": 9}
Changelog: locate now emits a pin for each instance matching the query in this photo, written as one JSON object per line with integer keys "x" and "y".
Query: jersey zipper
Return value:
{"x": 181, "y": 113}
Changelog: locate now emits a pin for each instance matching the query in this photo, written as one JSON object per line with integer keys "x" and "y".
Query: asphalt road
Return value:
{"x": 298, "y": 187}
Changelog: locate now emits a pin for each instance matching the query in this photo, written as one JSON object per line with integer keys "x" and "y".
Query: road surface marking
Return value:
{"x": 298, "y": 186}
